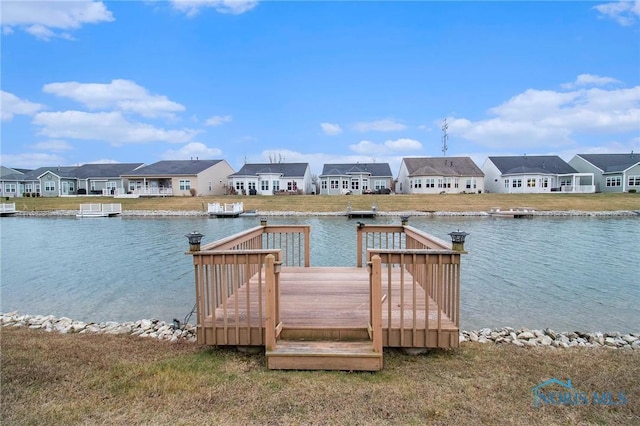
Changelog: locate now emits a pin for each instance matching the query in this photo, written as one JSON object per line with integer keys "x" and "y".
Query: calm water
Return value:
{"x": 563, "y": 273}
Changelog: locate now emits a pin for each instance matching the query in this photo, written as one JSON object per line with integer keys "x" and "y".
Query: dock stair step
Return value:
{"x": 324, "y": 355}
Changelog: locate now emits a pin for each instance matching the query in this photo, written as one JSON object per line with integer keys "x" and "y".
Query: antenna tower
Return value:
{"x": 445, "y": 137}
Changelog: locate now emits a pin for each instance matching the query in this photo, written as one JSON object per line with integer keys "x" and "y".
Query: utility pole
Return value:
{"x": 445, "y": 137}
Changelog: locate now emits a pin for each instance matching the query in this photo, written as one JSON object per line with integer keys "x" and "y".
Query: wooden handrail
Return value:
{"x": 375, "y": 303}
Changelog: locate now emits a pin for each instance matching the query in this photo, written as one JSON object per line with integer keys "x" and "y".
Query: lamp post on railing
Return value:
{"x": 263, "y": 221}
{"x": 404, "y": 220}
{"x": 457, "y": 240}
{"x": 194, "y": 240}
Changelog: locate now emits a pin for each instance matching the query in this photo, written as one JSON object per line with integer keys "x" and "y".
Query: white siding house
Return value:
{"x": 435, "y": 175}
{"x": 613, "y": 172}
{"x": 272, "y": 179}
{"x": 355, "y": 178}
{"x": 534, "y": 174}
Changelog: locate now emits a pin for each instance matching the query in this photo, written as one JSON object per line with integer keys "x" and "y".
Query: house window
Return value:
{"x": 264, "y": 185}
{"x": 239, "y": 186}
{"x": 345, "y": 184}
{"x": 355, "y": 185}
{"x": 110, "y": 185}
{"x": 132, "y": 185}
{"x": 566, "y": 181}
{"x": 323, "y": 184}
{"x": 614, "y": 181}
{"x": 251, "y": 185}
{"x": 516, "y": 183}
{"x": 365, "y": 184}
{"x": 49, "y": 186}
{"x": 545, "y": 182}
{"x": 440, "y": 184}
{"x": 531, "y": 183}
{"x": 10, "y": 187}
{"x": 276, "y": 185}
{"x": 456, "y": 183}
{"x": 93, "y": 186}
{"x": 334, "y": 184}
{"x": 185, "y": 185}
{"x": 634, "y": 180}
{"x": 418, "y": 183}
{"x": 380, "y": 184}
{"x": 468, "y": 184}
{"x": 506, "y": 183}
{"x": 410, "y": 184}
{"x": 447, "y": 183}
{"x": 210, "y": 186}
{"x": 430, "y": 183}
{"x": 28, "y": 187}
{"x": 37, "y": 188}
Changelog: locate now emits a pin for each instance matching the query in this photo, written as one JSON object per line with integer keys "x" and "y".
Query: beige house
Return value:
{"x": 435, "y": 175}
{"x": 179, "y": 178}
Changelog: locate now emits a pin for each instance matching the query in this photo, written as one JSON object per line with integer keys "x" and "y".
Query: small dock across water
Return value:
{"x": 99, "y": 210}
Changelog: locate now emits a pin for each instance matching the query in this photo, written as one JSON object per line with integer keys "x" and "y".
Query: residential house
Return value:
{"x": 10, "y": 181}
{"x": 355, "y": 178}
{"x": 534, "y": 174}
{"x": 100, "y": 179}
{"x": 179, "y": 177}
{"x": 613, "y": 172}
{"x": 435, "y": 175}
{"x": 272, "y": 178}
{"x": 103, "y": 179}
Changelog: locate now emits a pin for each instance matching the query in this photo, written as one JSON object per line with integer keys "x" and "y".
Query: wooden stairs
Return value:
{"x": 324, "y": 355}
{"x": 312, "y": 348}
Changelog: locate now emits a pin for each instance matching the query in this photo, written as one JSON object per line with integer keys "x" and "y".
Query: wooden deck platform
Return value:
{"x": 320, "y": 303}
{"x": 257, "y": 288}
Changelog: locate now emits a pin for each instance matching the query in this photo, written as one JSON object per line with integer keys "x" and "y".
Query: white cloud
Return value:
{"x": 192, "y": 150}
{"x": 403, "y": 144}
{"x": 47, "y": 19}
{"x": 388, "y": 147}
{"x": 124, "y": 95}
{"x": 331, "y": 129}
{"x": 111, "y": 127}
{"x": 31, "y": 160}
{"x": 386, "y": 125}
{"x": 218, "y": 120}
{"x": 13, "y": 105}
{"x": 543, "y": 118}
{"x": 53, "y": 145}
{"x": 624, "y": 12}
{"x": 590, "y": 80}
{"x": 233, "y": 7}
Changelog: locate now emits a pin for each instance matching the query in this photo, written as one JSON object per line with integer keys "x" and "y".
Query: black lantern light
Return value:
{"x": 194, "y": 240}
{"x": 457, "y": 240}
{"x": 404, "y": 220}
{"x": 263, "y": 221}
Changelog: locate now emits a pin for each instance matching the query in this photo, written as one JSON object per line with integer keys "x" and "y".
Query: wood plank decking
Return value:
{"x": 333, "y": 302}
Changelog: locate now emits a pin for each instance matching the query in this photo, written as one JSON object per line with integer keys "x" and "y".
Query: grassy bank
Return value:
{"x": 385, "y": 203}
{"x": 48, "y": 378}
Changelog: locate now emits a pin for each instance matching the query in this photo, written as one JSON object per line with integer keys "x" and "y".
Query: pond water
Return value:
{"x": 566, "y": 273}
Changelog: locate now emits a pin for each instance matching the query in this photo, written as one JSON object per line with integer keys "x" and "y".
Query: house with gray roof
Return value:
{"x": 531, "y": 174}
{"x": 355, "y": 178}
{"x": 96, "y": 179}
{"x": 10, "y": 180}
{"x": 272, "y": 178}
{"x": 612, "y": 172}
{"x": 179, "y": 177}
{"x": 435, "y": 175}
{"x": 103, "y": 179}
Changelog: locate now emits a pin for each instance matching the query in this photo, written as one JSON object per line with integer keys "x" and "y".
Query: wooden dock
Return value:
{"x": 225, "y": 209}
{"x": 258, "y": 289}
{"x": 7, "y": 209}
{"x": 99, "y": 210}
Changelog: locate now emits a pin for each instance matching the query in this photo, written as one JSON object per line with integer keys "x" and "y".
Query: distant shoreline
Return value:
{"x": 197, "y": 213}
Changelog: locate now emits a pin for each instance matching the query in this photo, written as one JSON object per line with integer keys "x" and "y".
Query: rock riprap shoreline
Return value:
{"x": 161, "y": 330}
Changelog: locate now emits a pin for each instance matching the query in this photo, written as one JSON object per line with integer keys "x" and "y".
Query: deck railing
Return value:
{"x": 239, "y": 277}
{"x": 437, "y": 273}
{"x": 394, "y": 237}
{"x": 7, "y": 208}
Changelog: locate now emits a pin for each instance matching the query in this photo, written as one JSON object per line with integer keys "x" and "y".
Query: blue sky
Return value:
{"x": 318, "y": 82}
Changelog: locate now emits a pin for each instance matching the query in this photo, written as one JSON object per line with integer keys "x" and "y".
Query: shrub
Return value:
{"x": 193, "y": 192}
{"x": 632, "y": 191}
